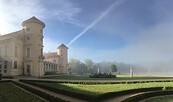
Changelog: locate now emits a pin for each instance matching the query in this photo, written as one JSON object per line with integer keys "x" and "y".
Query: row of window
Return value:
{"x": 6, "y": 65}
{"x": 28, "y": 52}
{"x": 28, "y": 38}
{"x": 6, "y": 51}
{"x": 16, "y": 52}
{"x": 28, "y": 29}
{"x": 5, "y": 71}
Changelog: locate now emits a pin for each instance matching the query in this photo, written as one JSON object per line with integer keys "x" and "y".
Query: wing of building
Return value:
{"x": 56, "y": 61}
{"x": 21, "y": 52}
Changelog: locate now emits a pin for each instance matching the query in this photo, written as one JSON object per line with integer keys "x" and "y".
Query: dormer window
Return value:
{"x": 27, "y": 29}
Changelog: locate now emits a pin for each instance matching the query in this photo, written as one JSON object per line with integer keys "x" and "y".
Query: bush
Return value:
{"x": 100, "y": 75}
{"x": 125, "y": 92}
{"x": 90, "y": 83}
{"x": 50, "y": 73}
{"x": 8, "y": 77}
{"x": 2, "y": 81}
{"x": 147, "y": 95}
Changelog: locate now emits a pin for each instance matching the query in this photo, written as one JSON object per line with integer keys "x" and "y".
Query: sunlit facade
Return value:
{"x": 21, "y": 52}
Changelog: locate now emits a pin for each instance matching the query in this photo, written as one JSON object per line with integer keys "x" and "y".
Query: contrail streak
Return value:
{"x": 102, "y": 15}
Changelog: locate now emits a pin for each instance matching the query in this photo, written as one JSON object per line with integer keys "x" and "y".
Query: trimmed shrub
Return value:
{"x": 2, "y": 81}
{"x": 51, "y": 73}
{"x": 90, "y": 83}
{"x": 147, "y": 95}
{"x": 100, "y": 75}
{"x": 125, "y": 92}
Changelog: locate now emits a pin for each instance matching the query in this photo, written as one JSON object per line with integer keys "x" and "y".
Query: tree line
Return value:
{"x": 88, "y": 66}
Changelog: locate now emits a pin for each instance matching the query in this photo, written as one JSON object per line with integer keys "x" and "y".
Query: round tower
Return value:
{"x": 62, "y": 51}
{"x": 33, "y": 46}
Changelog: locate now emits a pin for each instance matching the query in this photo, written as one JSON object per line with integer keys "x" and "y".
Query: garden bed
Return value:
{"x": 98, "y": 92}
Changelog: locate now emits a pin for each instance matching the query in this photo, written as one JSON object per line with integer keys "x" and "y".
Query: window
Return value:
{"x": 5, "y": 64}
{"x": 5, "y": 71}
{"x": 41, "y": 39}
{"x": 28, "y": 69}
{"x": 0, "y": 65}
{"x": 41, "y": 31}
{"x": 0, "y": 51}
{"x": 27, "y": 29}
{"x": 15, "y": 51}
{"x": 6, "y": 51}
{"x": 28, "y": 52}
{"x": 15, "y": 64}
{"x": 54, "y": 61}
{"x": 41, "y": 51}
{"x": 27, "y": 38}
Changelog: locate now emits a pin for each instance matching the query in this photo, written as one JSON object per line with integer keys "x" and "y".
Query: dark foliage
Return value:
{"x": 100, "y": 75}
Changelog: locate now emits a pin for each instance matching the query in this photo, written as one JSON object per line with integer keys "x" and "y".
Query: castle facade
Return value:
{"x": 21, "y": 52}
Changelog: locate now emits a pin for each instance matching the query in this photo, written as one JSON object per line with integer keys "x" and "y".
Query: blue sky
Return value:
{"x": 133, "y": 31}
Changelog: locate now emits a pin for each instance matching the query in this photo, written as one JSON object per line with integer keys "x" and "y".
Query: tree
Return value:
{"x": 113, "y": 68}
{"x": 82, "y": 68}
{"x": 74, "y": 65}
{"x": 89, "y": 63}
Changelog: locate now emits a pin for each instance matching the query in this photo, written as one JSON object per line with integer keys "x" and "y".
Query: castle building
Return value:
{"x": 21, "y": 52}
{"x": 56, "y": 61}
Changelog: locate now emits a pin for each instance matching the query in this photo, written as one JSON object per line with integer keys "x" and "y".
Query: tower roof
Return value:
{"x": 33, "y": 19}
{"x": 62, "y": 46}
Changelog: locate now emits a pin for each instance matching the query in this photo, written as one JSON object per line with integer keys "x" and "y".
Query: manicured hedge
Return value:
{"x": 2, "y": 81}
{"x": 126, "y": 92}
{"x": 69, "y": 93}
{"x": 91, "y": 97}
{"x": 7, "y": 77}
{"x": 100, "y": 75}
{"x": 39, "y": 93}
{"x": 147, "y": 95}
{"x": 101, "y": 82}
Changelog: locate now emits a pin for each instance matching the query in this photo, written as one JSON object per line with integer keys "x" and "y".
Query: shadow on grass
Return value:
{"x": 66, "y": 90}
{"x": 83, "y": 94}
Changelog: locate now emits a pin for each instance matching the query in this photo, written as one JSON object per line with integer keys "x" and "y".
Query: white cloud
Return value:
{"x": 14, "y": 12}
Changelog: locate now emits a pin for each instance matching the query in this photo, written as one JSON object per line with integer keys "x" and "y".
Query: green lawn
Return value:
{"x": 97, "y": 89}
{"x": 11, "y": 93}
{"x": 161, "y": 99}
{"x": 119, "y": 77}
